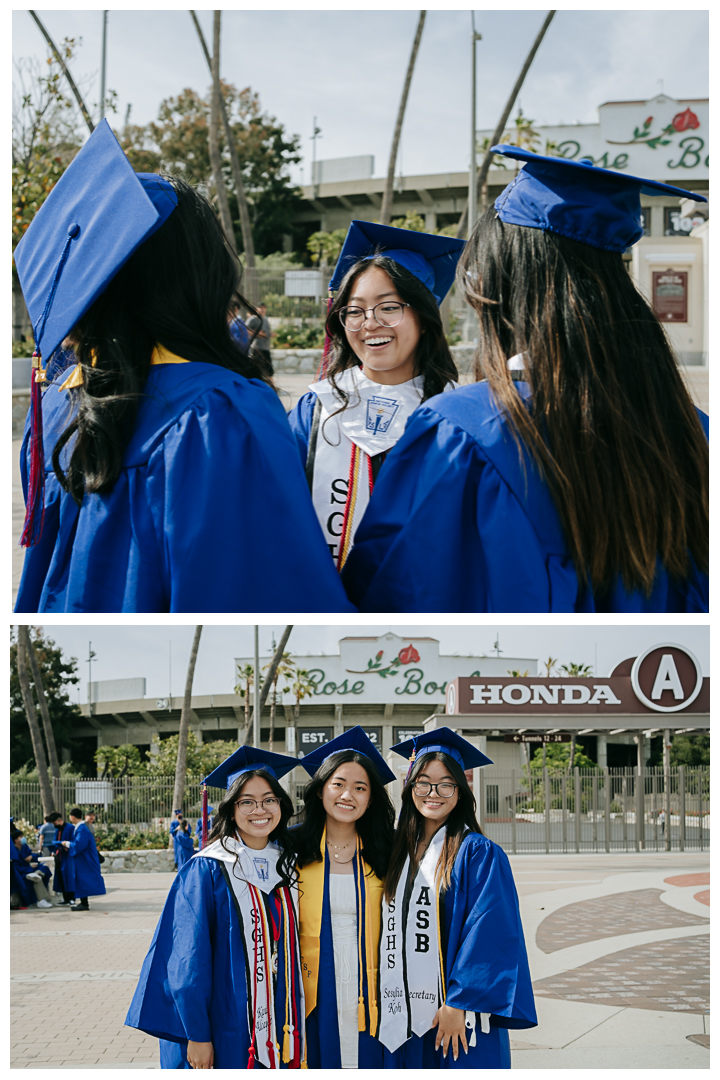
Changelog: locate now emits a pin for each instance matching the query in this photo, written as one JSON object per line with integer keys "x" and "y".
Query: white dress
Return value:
{"x": 343, "y": 912}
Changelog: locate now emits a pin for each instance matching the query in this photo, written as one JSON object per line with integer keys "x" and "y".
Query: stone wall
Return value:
{"x": 145, "y": 861}
{"x": 307, "y": 361}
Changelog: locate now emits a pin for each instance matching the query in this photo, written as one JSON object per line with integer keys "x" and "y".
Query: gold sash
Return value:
{"x": 312, "y": 887}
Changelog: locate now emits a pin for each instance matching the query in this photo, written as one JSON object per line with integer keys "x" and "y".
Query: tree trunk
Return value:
{"x": 46, "y": 794}
{"x": 573, "y": 739}
{"x": 485, "y": 166}
{"x": 68, "y": 76}
{"x": 274, "y": 664}
{"x": 387, "y": 203}
{"x": 245, "y": 226}
{"x": 213, "y": 141}
{"x": 44, "y": 711}
{"x": 181, "y": 765}
{"x": 272, "y": 713}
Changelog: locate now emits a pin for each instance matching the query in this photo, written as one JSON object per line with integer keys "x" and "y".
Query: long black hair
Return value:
{"x": 224, "y": 824}
{"x": 611, "y": 428}
{"x": 176, "y": 290}
{"x": 434, "y": 359}
{"x": 411, "y": 824}
{"x": 375, "y": 827}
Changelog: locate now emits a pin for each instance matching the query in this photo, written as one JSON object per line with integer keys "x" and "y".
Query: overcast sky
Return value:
{"x": 145, "y": 651}
{"x": 347, "y": 68}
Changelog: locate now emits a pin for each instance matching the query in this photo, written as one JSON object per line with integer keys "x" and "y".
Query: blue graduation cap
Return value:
{"x": 432, "y": 259}
{"x": 577, "y": 199}
{"x": 354, "y": 739}
{"x": 447, "y": 741}
{"x": 92, "y": 221}
{"x": 243, "y": 760}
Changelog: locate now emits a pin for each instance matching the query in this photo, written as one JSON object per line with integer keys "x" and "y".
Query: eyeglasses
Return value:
{"x": 271, "y": 804}
{"x": 389, "y": 313}
{"x": 445, "y": 789}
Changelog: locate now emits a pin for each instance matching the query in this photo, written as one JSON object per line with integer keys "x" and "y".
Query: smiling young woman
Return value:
{"x": 389, "y": 354}
{"x": 453, "y": 966}
{"x": 343, "y": 846}
{"x": 221, "y": 985}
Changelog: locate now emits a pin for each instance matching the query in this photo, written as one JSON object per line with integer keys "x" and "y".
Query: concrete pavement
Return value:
{"x": 618, "y": 956}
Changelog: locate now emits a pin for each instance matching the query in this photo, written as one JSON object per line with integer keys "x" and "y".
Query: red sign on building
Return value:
{"x": 669, "y": 295}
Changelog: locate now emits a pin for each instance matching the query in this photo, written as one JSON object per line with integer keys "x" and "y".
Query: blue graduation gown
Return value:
{"x": 300, "y": 419}
{"x": 211, "y": 511}
{"x": 485, "y": 960}
{"x": 19, "y": 869}
{"x": 321, "y": 1026}
{"x": 454, "y": 486}
{"x": 64, "y": 880}
{"x": 194, "y": 980}
{"x": 184, "y": 849}
{"x": 86, "y": 863}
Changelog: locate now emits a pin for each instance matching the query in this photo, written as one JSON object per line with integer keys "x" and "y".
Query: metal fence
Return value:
{"x": 136, "y": 801}
{"x": 600, "y": 810}
{"x": 582, "y": 811}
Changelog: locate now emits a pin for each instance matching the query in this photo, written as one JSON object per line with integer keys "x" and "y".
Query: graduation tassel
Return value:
{"x": 412, "y": 762}
{"x": 322, "y": 370}
{"x": 288, "y": 961}
{"x": 204, "y": 833}
{"x": 35, "y": 509}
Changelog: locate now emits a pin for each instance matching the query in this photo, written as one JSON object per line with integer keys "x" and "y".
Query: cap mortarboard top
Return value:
{"x": 577, "y": 199}
{"x": 447, "y": 741}
{"x": 92, "y": 221}
{"x": 243, "y": 760}
{"x": 432, "y": 259}
{"x": 354, "y": 739}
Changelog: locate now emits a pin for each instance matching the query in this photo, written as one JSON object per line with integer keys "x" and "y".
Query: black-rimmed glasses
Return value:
{"x": 445, "y": 789}
{"x": 389, "y": 313}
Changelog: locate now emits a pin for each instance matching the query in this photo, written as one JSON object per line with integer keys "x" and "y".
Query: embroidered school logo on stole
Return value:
{"x": 262, "y": 868}
{"x": 379, "y": 414}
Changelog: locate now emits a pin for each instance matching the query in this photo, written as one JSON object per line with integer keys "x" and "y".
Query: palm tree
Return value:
{"x": 181, "y": 763}
{"x": 302, "y": 687}
{"x": 46, "y": 794}
{"x": 386, "y": 209}
{"x": 284, "y": 669}
{"x": 549, "y": 664}
{"x": 577, "y": 671}
{"x": 487, "y": 160}
{"x": 245, "y": 683}
{"x": 44, "y": 710}
{"x": 214, "y": 141}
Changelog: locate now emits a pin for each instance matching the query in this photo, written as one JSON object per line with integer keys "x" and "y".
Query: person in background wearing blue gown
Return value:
{"x": 64, "y": 880}
{"x": 83, "y": 857}
{"x": 183, "y": 844}
{"x": 160, "y": 474}
{"x": 574, "y": 476}
{"x": 221, "y": 985}
{"x": 389, "y": 354}
{"x": 454, "y": 974}
{"x": 343, "y": 845}
{"x": 31, "y": 877}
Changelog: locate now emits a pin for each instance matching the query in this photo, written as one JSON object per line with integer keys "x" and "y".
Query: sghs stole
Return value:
{"x": 255, "y": 872}
{"x": 312, "y": 884}
{"x": 342, "y": 476}
{"x": 411, "y": 966}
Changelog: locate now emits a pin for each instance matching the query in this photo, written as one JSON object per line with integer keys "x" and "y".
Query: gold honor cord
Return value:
{"x": 160, "y": 356}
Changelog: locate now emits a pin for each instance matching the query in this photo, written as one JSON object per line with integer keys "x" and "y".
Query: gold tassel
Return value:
{"x": 286, "y": 1044}
{"x": 361, "y": 1014}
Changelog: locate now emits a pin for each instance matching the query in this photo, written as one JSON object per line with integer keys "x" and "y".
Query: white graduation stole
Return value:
{"x": 372, "y": 423}
{"x": 255, "y": 872}
{"x": 410, "y": 975}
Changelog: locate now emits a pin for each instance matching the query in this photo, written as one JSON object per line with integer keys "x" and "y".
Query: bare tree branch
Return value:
{"x": 181, "y": 765}
{"x": 386, "y": 209}
{"x": 66, "y": 72}
{"x": 46, "y": 793}
{"x": 213, "y": 142}
{"x": 44, "y": 710}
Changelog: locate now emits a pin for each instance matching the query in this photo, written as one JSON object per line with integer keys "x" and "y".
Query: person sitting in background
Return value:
{"x": 28, "y": 867}
{"x": 86, "y": 861}
{"x": 64, "y": 881}
{"x": 183, "y": 844}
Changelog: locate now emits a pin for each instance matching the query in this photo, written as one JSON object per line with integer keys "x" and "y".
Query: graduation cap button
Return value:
{"x": 73, "y": 230}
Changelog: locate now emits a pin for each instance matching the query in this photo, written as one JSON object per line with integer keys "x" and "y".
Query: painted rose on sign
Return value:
{"x": 408, "y": 655}
{"x": 685, "y": 121}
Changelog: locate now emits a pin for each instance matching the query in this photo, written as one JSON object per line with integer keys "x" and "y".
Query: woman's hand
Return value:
{"x": 65, "y": 843}
{"x": 450, "y": 1023}
{"x": 200, "y": 1055}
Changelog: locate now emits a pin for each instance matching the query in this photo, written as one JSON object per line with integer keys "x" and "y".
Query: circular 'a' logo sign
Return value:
{"x": 666, "y": 678}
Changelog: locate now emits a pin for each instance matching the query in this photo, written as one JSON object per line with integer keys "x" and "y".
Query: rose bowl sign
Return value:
{"x": 665, "y": 678}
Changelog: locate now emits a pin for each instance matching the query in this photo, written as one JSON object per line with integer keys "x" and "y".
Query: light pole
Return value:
{"x": 472, "y": 186}
{"x": 256, "y": 693}
{"x": 102, "y": 66}
{"x": 472, "y": 178}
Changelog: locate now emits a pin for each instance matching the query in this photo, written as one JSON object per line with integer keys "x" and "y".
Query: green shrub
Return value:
{"x": 299, "y": 337}
{"x": 22, "y": 348}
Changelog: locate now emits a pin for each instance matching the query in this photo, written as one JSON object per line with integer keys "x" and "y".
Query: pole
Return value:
{"x": 103, "y": 65}
{"x": 256, "y": 691}
{"x": 666, "y": 782}
{"x": 315, "y": 136}
{"x": 472, "y": 184}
